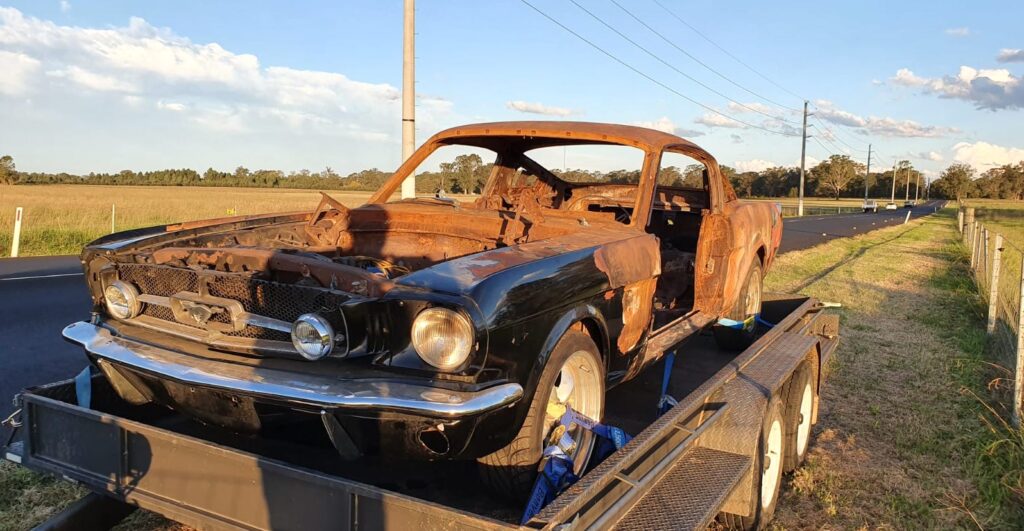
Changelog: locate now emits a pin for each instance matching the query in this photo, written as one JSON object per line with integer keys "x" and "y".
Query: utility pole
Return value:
{"x": 907, "y": 195}
{"x": 893, "y": 199}
{"x": 917, "y": 188}
{"x": 409, "y": 94}
{"x": 803, "y": 153}
{"x": 867, "y": 174}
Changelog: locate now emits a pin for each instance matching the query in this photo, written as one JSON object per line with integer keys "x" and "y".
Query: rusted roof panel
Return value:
{"x": 640, "y": 137}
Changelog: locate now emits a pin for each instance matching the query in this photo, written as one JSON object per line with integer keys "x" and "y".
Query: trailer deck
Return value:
{"x": 679, "y": 471}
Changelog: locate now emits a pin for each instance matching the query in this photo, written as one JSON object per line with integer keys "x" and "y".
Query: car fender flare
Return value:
{"x": 566, "y": 321}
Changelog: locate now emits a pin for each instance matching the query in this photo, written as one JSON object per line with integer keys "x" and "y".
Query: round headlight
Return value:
{"x": 312, "y": 336}
{"x": 122, "y": 300}
{"x": 442, "y": 337}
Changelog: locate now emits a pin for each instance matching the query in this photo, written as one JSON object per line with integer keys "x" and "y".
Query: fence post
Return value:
{"x": 960, "y": 221}
{"x": 983, "y": 263}
{"x": 974, "y": 246}
{"x": 16, "y": 240}
{"x": 969, "y": 221}
{"x": 993, "y": 283}
{"x": 1018, "y": 380}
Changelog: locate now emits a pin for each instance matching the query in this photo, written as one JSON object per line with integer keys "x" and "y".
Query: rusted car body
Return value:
{"x": 206, "y": 310}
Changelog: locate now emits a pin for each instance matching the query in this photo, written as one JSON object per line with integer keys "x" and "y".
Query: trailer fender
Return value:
{"x": 748, "y": 394}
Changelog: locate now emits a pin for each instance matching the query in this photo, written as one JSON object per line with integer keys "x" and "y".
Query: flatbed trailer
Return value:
{"x": 700, "y": 459}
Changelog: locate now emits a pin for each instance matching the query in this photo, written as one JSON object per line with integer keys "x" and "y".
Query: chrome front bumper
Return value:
{"x": 307, "y": 389}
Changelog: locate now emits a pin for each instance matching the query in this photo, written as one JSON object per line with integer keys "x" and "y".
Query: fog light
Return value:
{"x": 122, "y": 300}
{"x": 312, "y": 336}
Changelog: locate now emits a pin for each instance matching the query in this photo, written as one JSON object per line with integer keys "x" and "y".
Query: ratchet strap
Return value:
{"x": 556, "y": 470}
{"x": 83, "y": 387}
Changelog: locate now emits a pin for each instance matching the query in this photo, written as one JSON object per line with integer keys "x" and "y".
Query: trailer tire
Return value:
{"x": 748, "y": 303}
{"x": 771, "y": 449}
{"x": 800, "y": 400}
{"x": 511, "y": 471}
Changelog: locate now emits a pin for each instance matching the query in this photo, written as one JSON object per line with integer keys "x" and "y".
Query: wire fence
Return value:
{"x": 998, "y": 267}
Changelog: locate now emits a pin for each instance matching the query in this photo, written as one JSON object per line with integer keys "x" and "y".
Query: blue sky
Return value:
{"x": 104, "y": 86}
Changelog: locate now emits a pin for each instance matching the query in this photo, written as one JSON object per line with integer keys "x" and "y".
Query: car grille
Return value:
{"x": 285, "y": 302}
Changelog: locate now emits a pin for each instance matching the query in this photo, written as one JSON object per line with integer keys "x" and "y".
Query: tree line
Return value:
{"x": 838, "y": 176}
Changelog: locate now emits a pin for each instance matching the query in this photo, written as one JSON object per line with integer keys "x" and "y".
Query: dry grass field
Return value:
{"x": 61, "y": 219}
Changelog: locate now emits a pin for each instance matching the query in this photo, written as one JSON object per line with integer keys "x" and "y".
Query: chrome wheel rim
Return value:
{"x": 578, "y": 386}
{"x": 803, "y": 430}
{"x": 772, "y": 472}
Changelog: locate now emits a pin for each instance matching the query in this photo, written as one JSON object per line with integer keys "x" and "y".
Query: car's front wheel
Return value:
{"x": 573, "y": 378}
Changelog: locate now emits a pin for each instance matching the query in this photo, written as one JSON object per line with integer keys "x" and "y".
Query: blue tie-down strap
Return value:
{"x": 556, "y": 473}
{"x": 745, "y": 324}
{"x": 83, "y": 387}
{"x": 667, "y": 402}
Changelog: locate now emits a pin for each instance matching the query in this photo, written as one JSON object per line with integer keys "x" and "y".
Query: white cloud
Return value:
{"x": 736, "y": 139}
{"x": 753, "y": 165}
{"x": 170, "y": 106}
{"x": 65, "y": 6}
{"x": 538, "y": 108}
{"x": 711, "y": 119}
{"x": 1007, "y": 55}
{"x": 92, "y": 80}
{"x": 138, "y": 68}
{"x": 18, "y": 72}
{"x": 987, "y": 88}
{"x": 933, "y": 156}
{"x": 667, "y": 125}
{"x": 984, "y": 156}
{"x": 752, "y": 107}
{"x": 958, "y": 32}
{"x": 875, "y": 125}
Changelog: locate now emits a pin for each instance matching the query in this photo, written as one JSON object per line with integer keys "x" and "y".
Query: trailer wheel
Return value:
{"x": 747, "y": 304}
{"x": 771, "y": 451}
{"x": 799, "y": 416}
{"x": 574, "y": 377}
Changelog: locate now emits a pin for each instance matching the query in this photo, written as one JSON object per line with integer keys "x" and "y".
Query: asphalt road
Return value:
{"x": 40, "y": 296}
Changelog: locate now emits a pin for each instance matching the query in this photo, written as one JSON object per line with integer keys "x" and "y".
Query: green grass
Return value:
{"x": 912, "y": 433}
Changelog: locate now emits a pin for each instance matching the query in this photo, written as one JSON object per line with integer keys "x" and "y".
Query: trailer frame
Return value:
{"x": 692, "y": 463}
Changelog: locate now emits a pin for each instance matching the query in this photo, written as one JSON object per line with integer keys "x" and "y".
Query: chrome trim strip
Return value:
{"x": 307, "y": 389}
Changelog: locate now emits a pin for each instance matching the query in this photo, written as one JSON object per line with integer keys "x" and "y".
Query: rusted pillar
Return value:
{"x": 993, "y": 282}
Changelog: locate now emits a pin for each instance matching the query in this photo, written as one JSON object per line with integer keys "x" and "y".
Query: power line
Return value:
{"x": 647, "y": 76}
{"x": 836, "y": 135}
{"x": 666, "y": 63}
{"x": 698, "y": 61}
{"x": 726, "y": 52}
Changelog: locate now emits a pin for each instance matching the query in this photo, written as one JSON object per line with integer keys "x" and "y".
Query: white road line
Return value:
{"x": 43, "y": 276}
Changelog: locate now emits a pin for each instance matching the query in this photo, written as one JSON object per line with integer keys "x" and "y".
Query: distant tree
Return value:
{"x": 670, "y": 176}
{"x": 955, "y": 181}
{"x": 8, "y": 175}
{"x": 835, "y": 173}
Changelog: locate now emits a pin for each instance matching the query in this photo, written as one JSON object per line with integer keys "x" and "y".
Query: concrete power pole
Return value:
{"x": 893, "y": 199}
{"x": 867, "y": 174}
{"x": 907, "y": 195}
{"x": 917, "y": 188}
{"x": 803, "y": 153}
{"x": 409, "y": 93}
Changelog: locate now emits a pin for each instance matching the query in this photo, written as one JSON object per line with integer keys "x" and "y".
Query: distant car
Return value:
{"x": 870, "y": 205}
{"x": 891, "y": 206}
{"x": 910, "y": 204}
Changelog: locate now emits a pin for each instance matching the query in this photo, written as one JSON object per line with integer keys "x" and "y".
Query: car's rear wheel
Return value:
{"x": 573, "y": 378}
{"x": 747, "y": 304}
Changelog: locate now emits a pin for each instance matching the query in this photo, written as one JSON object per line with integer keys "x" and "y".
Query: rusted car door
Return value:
{"x": 713, "y": 250}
